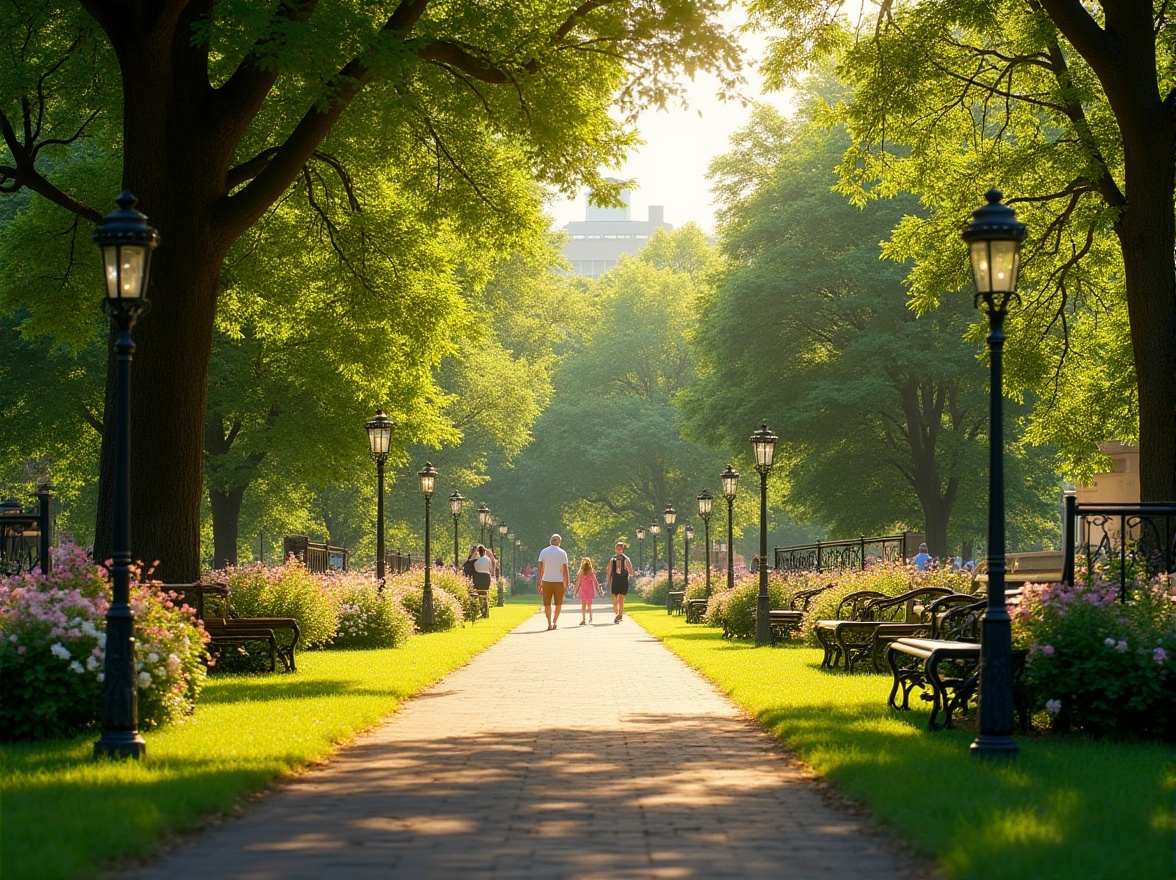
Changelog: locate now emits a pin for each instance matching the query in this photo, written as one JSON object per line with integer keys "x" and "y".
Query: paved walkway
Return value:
{"x": 587, "y": 752}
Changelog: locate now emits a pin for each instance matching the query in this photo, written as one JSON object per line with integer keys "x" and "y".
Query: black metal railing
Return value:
{"x": 1127, "y": 537}
{"x": 317, "y": 556}
{"x": 26, "y": 535}
{"x": 831, "y": 555}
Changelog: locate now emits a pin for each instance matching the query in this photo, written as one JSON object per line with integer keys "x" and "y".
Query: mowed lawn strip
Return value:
{"x": 1064, "y": 808}
{"x": 64, "y": 815}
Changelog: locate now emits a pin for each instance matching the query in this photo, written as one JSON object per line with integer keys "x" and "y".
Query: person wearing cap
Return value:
{"x": 553, "y": 579}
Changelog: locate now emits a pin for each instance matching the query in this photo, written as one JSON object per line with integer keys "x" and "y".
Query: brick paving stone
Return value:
{"x": 587, "y": 752}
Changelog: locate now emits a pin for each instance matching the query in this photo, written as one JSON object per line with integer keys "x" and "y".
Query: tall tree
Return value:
{"x": 882, "y": 415}
{"x": 224, "y": 105}
{"x": 1070, "y": 107}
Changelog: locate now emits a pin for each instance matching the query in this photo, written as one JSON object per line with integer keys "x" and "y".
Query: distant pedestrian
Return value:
{"x": 922, "y": 559}
{"x": 586, "y": 585}
{"x": 617, "y": 578}
{"x": 553, "y": 579}
{"x": 467, "y": 567}
{"x": 483, "y": 567}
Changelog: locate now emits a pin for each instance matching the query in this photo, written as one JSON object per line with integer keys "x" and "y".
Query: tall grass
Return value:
{"x": 1064, "y": 808}
{"x": 64, "y": 815}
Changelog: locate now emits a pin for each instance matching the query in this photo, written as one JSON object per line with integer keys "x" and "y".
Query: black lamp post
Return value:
{"x": 671, "y": 517}
{"x": 513, "y": 563}
{"x": 483, "y": 520}
{"x": 640, "y": 548}
{"x": 994, "y": 239}
{"x": 730, "y": 479}
{"x": 379, "y": 431}
{"x": 518, "y": 549}
{"x": 428, "y": 481}
{"x": 654, "y": 530}
{"x": 763, "y": 442}
{"x": 687, "y": 534}
{"x": 503, "y": 528}
{"x": 126, "y": 242}
{"x": 455, "y": 503}
{"x": 705, "y": 503}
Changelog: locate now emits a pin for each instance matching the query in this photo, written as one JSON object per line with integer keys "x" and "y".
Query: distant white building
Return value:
{"x": 597, "y": 243}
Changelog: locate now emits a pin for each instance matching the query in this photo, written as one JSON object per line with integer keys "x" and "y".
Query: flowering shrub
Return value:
{"x": 289, "y": 590}
{"x": 367, "y": 617}
{"x": 53, "y": 650}
{"x": 1097, "y": 665}
{"x": 735, "y": 610}
{"x": 448, "y": 611}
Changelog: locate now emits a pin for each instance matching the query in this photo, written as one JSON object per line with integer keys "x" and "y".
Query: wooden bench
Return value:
{"x": 1034, "y": 567}
{"x": 782, "y": 623}
{"x": 916, "y": 663}
{"x": 695, "y": 610}
{"x": 226, "y": 629}
{"x": 674, "y": 599}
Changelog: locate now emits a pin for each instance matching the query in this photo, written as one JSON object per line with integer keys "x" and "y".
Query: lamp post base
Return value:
{"x": 120, "y": 744}
{"x": 994, "y": 746}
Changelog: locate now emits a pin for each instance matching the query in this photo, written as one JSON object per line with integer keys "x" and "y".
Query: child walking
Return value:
{"x": 586, "y": 590}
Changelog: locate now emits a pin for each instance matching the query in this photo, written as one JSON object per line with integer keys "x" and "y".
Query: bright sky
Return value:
{"x": 670, "y": 168}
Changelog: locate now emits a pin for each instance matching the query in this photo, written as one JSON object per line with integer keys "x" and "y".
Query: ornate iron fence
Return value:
{"x": 1127, "y": 537}
{"x": 26, "y": 535}
{"x": 315, "y": 555}
{"x": 830, "y": 555}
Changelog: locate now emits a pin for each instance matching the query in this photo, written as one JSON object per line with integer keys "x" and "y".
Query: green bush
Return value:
{"x": 653, "y": 589}
{"x": 368, "y": 618}
{"x": 735, "y": 610}
{"x": 408, "y": 589}
{"x": 289, "y": 590}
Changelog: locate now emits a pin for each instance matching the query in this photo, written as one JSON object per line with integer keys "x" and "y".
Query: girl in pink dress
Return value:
{"x": 586, "y": 589}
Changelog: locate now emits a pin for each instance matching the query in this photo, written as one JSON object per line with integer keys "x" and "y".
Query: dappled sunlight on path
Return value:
{"x": 586, "y": 752}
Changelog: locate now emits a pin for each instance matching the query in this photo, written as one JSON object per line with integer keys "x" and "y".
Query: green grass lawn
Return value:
{"x": 1064, "y": 808}
{"x": 64, "y": 815}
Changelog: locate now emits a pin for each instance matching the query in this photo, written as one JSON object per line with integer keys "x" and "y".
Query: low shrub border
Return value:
{"x": 68, "y": 816}
{"x": 1067, "y": 807}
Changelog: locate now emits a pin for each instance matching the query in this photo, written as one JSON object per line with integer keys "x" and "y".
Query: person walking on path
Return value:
{"x": 586, "y": 585}
{"x": 922, "y": 559}
{"x": 619, "y": 569}
{"x": 553, "y": 579}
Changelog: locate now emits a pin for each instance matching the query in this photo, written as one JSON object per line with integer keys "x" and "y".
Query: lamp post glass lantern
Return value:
{"x": 671, "y": 518}
{"x": 730, "y": 480}
{"x": 456, "y": 501}
{"x": 483, "y": 520}
{"x": 428, "y": 478}
{"x": 379, "y": 431}
{"x": 763, "y": 443}
{"x": 126, "y": 241}
{"x": 994, "y": 239}
{"x": 705, "y": 505}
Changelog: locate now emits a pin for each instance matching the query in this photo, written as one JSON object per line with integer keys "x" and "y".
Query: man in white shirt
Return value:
{"x": 553, "y": 579}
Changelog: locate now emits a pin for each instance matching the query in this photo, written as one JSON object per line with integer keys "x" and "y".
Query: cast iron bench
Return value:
{"x": 674, "y": 601}
{"x": 695, "y": 610}
{"x": 852, "y": 640}
{"x": 924, "y": 624}
{"x": 226, "y": 629}
{"x": 784, "y": 623}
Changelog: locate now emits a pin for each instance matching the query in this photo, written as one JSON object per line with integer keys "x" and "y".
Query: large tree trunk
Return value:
{"x": 226, "y": 519}
{"x": 178, "y": 173}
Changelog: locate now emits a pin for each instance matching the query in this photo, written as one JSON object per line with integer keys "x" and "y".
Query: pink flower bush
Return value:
{"x": 53, "y": 650}
{"x": 1106, "y": 665}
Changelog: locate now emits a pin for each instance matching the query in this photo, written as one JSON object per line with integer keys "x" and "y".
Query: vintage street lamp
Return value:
{"x": 484, "y": 520}
{"x": 705, "y": 503}
{"x": 518, "y": 545}
{"x": 379, "y": 431}
{"x": 514, "y": 559}
{"x": 763, "y": 442}
{"x": 671, "y": 518}
{"x": 994, "y": 239}
{"x": 640, "y": 548}
{"x": 126, "y": 242}
{"x": 687, "y": 534}
{"x": 503, "y": 528}
{"x": 428, "y": 481}
{"x": 455, "y": 504}
{"x": 654, "y": 530}
{"x": 730, "y": 480}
